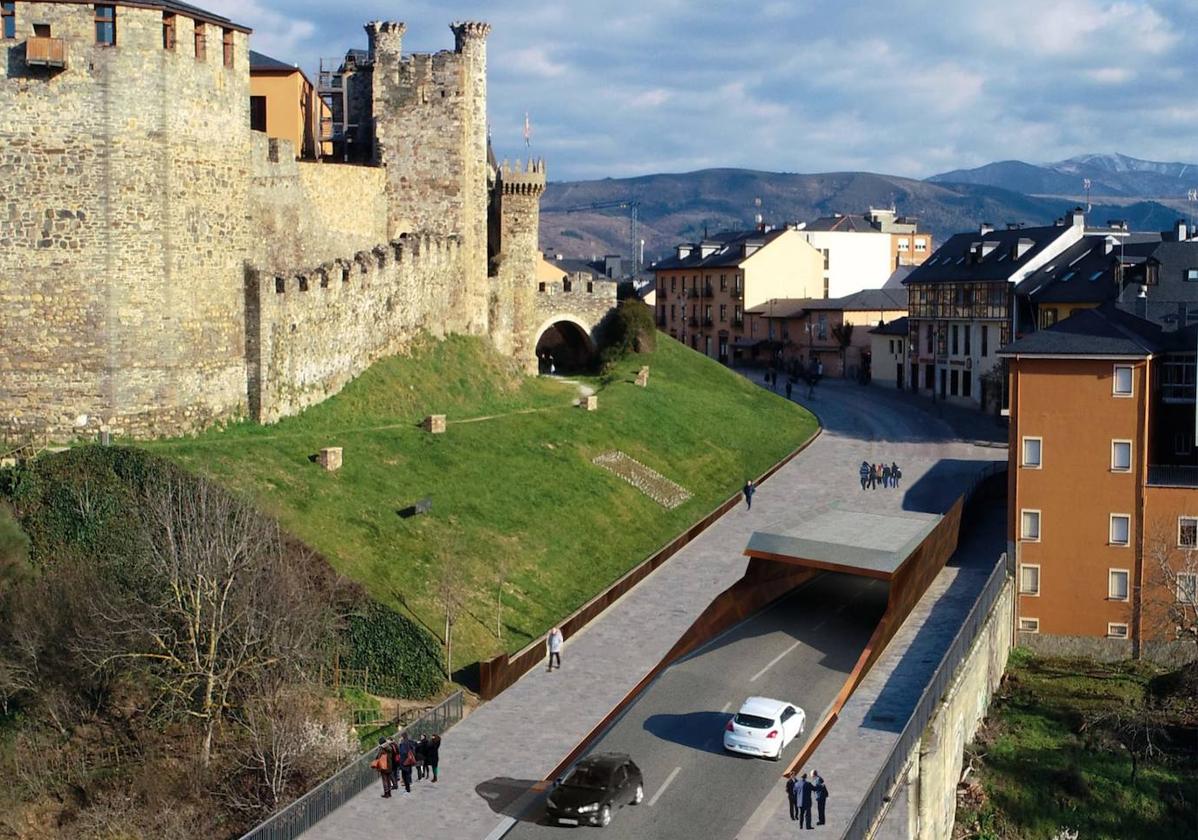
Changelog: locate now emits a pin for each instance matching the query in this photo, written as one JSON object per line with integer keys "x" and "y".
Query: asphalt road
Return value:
{"x": 799, "y": 650}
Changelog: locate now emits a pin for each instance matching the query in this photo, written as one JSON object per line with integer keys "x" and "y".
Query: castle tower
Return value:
{"x": 517, "y": 205}
{"x": 126, "y": 177}
{"x": 430, "y": 134}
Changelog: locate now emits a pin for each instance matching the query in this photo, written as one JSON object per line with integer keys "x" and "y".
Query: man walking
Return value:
{"x": 749, "y": 489}
{"x": 791, "y": 784}
{"x": 421, "y": 747}
{"x": 788, "y": 389}
{"x": 885, "y": 475}
{"x": 821, "y": 796}
{"x": 864, "y": 473}
{"x": 383, "y": 763}
{"x": 895, "y": 473}
{"x": 804, "y": 794}
{"x": 553, "y": 642}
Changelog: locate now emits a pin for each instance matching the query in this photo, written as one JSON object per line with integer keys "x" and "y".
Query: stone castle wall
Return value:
{"x": 314, "y": 330}
{"x": 305, "y": 213}
{"x": 123, "y": 191}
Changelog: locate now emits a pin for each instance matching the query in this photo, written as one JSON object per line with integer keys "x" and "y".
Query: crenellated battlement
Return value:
{"x": 467, "y": 31}
{"x": 522, "y": 179}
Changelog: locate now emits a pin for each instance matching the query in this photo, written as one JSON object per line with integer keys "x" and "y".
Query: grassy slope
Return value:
{"x": 1033, "y": 753}
{"x": 519, "y": 487}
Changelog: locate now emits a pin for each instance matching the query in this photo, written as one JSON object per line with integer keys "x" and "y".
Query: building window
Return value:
{"x": 227, "y": 44}
{"x": 1029, "y": 528}
{"x": 921, "y": 245}
{"x": 827, "y": 287}
{"x": 168, "y": 31}
{"x": 1187, "y": 588}
{"x": 1122, "y": 383}
{"x": 903, "y": 245}
{"x": 673, "y": 282}
{"x": 967, "y": 344}
{"x": 258, "y": 122}
{"x": 590, "y": 287}
{"x": 1116, "y": 631}
{"x": 966, "y": 384}
{"x": 1031, "y": 452}
{"x": 8, "y": 12}
{"x": 723, "y": 282}
{"x": 1121, "y": 456}
{"x": 930, "y": 339}
{"x": 954, "y": 340}
{"x": 106, "y": 25}
{"x": 201, "y": 41}
{"x": 723, "y": 312}
{"x": 985, "y": 340}
{"x": 1048, "y": 317}
{"x": 1029, "y": 580}
{"x": 1191, "y": 273}
{"x": 1187, "y": 532}
{"x": 827, "y": 252}
{"x": 821, "y": 327}
{"x": 1029, "y": 625}
{"x": 953, "y": 380}
{"x": 1117, "y": 584}
{"x": 1120, "y": 531}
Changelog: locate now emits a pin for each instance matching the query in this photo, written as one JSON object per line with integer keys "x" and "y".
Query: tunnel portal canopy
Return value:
{"x": 847, "y": 541}
{"x": 565, "y": 347}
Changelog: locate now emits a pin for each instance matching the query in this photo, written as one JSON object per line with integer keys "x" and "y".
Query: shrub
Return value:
{"x": 631, "y": 331}
{"x": 404, "y": 660}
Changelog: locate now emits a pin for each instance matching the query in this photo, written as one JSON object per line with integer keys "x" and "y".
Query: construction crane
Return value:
{"x": 634, "y": 224}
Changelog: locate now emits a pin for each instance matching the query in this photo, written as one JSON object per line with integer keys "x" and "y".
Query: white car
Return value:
{"x": 764, "y": 727}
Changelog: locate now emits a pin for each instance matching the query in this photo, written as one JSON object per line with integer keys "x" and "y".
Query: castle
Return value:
{"x": 163, "y": 267}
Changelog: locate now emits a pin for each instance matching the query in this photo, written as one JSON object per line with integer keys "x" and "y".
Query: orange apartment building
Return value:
{"x": 704, "y": 290}
{"x": 1103, "y": 481}
{"x": 285, "y": 105}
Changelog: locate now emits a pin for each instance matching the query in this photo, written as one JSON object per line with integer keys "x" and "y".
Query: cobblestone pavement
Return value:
{"x": 492, "y": 758}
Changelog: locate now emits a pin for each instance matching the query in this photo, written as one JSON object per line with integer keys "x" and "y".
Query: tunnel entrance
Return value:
{"x": 564, "y": 348}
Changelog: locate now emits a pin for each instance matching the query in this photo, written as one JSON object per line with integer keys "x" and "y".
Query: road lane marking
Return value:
{"x": 727, "y": 706}
{"x": 774, "y": 662}
{"x": 664, "y": 785}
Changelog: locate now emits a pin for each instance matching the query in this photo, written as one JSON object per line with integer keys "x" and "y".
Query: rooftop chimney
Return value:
{"x": 1077, "y": 217}
{"x": 1179, "y": 227}
{"x": 684, "y": 251}
{"x": 1142, "y": 303}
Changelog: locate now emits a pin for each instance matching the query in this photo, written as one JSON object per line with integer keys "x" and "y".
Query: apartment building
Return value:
{"x": 284, "y": 105}
{"x": 862, "y": 251}
{"x": 704, "y": 289}
{"x": 832, "y": 333}
{"x": 1103, "y": 482}
{"x": 888, "y": 354}
{"x": 960, "y": 305}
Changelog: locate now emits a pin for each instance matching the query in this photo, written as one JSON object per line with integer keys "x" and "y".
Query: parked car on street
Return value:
{"x": 763, "y": 727}
{"x": 596, "y": 786}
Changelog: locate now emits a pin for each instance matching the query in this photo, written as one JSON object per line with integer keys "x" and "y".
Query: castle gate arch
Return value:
{"x": 565, "y": 343}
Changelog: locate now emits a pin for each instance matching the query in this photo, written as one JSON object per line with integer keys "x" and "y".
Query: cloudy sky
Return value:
{"x": 620, "y": 87}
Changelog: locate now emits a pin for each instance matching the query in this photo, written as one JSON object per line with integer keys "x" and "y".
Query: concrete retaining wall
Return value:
{"x": 924, "y": 805}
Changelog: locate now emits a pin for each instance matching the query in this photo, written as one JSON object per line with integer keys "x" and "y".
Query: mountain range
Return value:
{"x": 578, "y": 218}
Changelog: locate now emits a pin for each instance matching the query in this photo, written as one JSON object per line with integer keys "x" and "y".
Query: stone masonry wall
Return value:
{"x": 430, "y": 137}
{"x": 123, "y": 190}
{"x": 304, "y": 213}
{"x": 312, "y": 331}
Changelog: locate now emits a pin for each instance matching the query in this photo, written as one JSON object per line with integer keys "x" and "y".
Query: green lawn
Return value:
{"x": 517, "y": 489}
{"x": 1048, "y": 766}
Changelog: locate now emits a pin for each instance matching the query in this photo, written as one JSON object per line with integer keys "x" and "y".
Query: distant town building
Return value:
{"x": 888, "y": 354}
{"x": 862, "y": 251}
{"x": 960, "y": 304}
{"x": 831, "y": 332}
{"x": 284, "y": 105}
{"x": 704, "y": 290}
{"x": 1103, "y": 482}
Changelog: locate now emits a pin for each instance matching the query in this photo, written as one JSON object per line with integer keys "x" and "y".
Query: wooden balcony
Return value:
{"x": 46, "y": 52}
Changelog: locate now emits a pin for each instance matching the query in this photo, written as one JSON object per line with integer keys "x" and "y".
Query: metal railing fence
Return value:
{"x": 350, "y": 780}
{"x": 875, "y": 800}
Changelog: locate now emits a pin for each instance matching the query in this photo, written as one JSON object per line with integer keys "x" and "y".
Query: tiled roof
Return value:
{"x": 841, "y": 223}
{"x": 896, "y": 327}
{"x": 727, "y": 250}
{"x": 192, "y": 12}
{"x": 956, "y": 260}
{"x": 866, "y": 300}
{"x": 1102, "y": 331}
{"x": 261, "y": 61}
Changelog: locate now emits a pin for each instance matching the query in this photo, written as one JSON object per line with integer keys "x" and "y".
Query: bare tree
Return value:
{"x": 451, "y": 593}
{"x": 1171, "y": 604}
{"x": 1138, "y": 729}
{"x": 843, "y": 333}
{"x": 220, "y": 605}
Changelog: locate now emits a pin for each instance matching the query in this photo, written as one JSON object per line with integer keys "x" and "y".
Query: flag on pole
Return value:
{"x": 527, "y": 130}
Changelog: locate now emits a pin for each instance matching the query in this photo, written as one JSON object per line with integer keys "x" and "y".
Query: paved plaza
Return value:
{"x": 493, "y": 756}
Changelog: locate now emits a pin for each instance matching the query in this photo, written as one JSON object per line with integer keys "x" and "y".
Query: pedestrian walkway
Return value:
{"x": 514, "y": 740}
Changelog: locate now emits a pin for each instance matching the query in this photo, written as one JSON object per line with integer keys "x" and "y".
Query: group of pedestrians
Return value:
{"x": 874, "y": 476}
{"x": 800, "y": 792}
{"x": 395, "y": 761}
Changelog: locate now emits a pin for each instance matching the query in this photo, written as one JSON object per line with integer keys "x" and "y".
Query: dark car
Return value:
{"x": 594, "y": 788}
